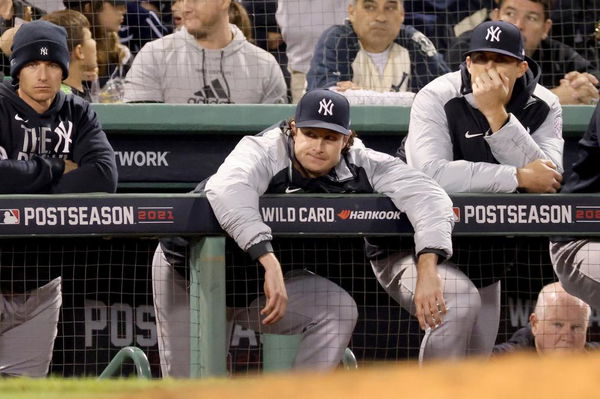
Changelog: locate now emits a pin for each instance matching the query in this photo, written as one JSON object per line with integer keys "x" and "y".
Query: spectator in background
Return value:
{"x": 208, "y": 62}
{"x": 559, "y": 323}
{"x": 239, "y": 17}
{"x": 266, "y": 32}
{"x": 106, "y": 18}
{"x": 140, "y": 26}
{"x": 374, "y": 58}
{"x": 12, "y": 14}
{"x": 302, "y": 22}
{"x": 49, "y": 143}
{"x": 488, "y": 128}
{"x": 83, "y": 65}
{"x": 565, "y": 72}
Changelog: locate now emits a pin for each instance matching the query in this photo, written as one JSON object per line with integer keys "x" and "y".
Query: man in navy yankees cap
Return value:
{"x": 486, "y": 128}
{"x": 50, "y": 142}
{"x": 498, "y": 37}
{"x": 315, "y": 152}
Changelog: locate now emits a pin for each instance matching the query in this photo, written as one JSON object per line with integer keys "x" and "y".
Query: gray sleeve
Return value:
{"x": 275, "y": 91}
{"x": 233, "y": 192}
{"x": 142, "y": 82}
{"x": 513, "y": 145}
{"x": 429, "y": 148}
{"x": 424, "y": 202}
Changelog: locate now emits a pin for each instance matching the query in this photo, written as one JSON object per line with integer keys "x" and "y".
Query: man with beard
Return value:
{"x": 209, "y": 61}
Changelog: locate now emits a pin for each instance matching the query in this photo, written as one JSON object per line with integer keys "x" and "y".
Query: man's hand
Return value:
{"x": 274, "y": 288}
{"x": 69, "y": 166}
{"x": 577, "y": 88}
{"x": 347, "y": 85}
{"x": 429, "y": 300}
{"x": 539, "y": 176}
{"x": 491, "y": 91}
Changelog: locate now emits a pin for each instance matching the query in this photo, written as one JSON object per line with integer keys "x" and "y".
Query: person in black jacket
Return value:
{"x": 565, "y": 72}
{"x": 577, "y": 261}
{"x": 50, "y": 142}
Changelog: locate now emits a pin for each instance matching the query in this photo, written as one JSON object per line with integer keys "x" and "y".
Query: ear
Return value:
{"x": 293, "y": 128}
{"x": 547, "y": 27}
{"x": 523, "y": 66}
{"x": 226, "y": 4}
{"x": 351, "y": 12}
{"x": 77, "y": 53}
{"x": 533, "y": 320}
{"x": 495, "y": 14}
{"x": 469, "y": 63}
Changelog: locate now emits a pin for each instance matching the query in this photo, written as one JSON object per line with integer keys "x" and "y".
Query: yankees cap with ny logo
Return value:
{"x": 497, "y": 37}
{"x": 324, "y": 108}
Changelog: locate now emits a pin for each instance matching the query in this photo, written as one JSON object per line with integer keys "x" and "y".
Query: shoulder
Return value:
{"x": 252, "y": 51}
{"x": 442, "y": 89}
{"x": 336, "y": 34}
{"x": 78, "y": 108}
{"x": 165, "y": 43}
{"x": 415, "y": 40}
{"x": 546, "y": 96}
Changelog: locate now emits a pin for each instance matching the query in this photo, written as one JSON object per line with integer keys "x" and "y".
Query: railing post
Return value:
{"x": 142, "y": 367}
{"x": 208, "y": 333}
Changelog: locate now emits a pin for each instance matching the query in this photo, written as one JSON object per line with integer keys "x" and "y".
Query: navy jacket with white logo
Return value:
{"x": 33, "y": 147}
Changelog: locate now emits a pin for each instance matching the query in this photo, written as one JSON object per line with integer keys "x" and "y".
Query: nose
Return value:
{"x": 519, "y": 23}
{"x": 43, "y": 72}
{"x": 187, "y": 6}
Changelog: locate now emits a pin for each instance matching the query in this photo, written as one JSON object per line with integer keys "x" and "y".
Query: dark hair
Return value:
{"x": 239, "y": 17}
{"x": 548, "y": 5}
{"x": 73, "y": 21}
{"x": 287, "y": 129}
{"x": 107, "y": 42}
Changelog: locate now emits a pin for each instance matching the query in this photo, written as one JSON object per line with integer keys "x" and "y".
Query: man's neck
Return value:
{"x": 38, "y": 106}
{"x": 75, "y": 77}
{"x": 218, "y": 38}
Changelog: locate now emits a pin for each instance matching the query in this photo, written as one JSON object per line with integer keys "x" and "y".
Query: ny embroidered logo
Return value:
{"x": 326, "y": 107}
{"x": 493, "y": 34}
{"x": 43, "y": 50}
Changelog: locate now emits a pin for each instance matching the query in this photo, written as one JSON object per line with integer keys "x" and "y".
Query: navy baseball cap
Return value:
{"x": 497, "y": 37}
{"x": 324, "y": 108}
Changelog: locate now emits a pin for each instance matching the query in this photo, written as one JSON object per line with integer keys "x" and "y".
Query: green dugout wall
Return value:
{"x": 164, "y": 147}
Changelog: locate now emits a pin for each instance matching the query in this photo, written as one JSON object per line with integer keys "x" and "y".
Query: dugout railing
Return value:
{"x": 167, "y": 147}
{"x": 326, "y": 216}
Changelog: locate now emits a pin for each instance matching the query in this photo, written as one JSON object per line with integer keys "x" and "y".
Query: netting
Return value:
{"x": 107, "y": 300}
{"x": 267, "y": 57}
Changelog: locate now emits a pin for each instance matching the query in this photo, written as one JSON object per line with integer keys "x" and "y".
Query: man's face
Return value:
{"x": 561, "y": 326}
{"x": 480, "y": 62}
{"x": 200, "y": 16}
{"x": 528, "y": 16}
{"x": 88, "y": 49}
{"x": 39, "y": 81}
{"x": 376, "y": 22}
{"x": 318, "y": 150}
{"x": 111, "y": 16}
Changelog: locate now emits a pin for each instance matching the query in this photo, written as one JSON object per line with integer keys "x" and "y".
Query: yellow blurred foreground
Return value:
{"x": 521, "y": 376}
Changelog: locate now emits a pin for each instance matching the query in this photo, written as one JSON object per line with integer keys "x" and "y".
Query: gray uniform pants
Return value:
{"x": 322, "y": 312}
{"x": 471, "y": 324}
{"x": 28, "y": 327}
{"x": 577, "y": 265}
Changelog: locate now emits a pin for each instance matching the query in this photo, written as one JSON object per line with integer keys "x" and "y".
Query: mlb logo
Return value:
{"x": 10, "y": 216}
{"x": 456, "y": 211}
